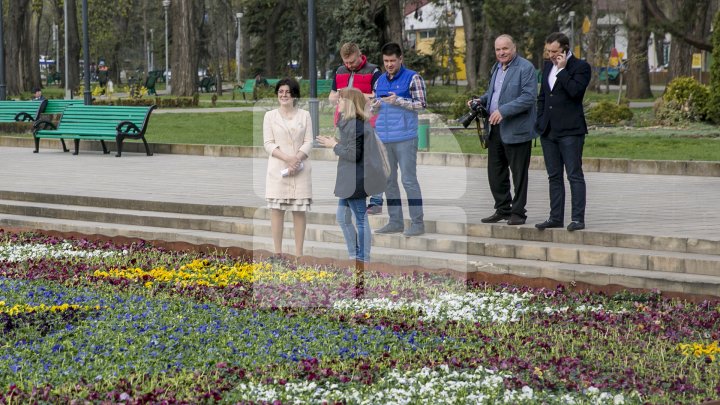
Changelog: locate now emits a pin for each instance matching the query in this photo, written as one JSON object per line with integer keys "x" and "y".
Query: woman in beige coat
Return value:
{"x": 287, "y": 136}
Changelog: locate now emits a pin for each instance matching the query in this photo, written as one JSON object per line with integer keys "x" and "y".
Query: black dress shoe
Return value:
{"x": 575, "y": 226}
{"x": 549, "y": 224}
{"x": 496, "y": 217}
{"x": 516, "y": 220}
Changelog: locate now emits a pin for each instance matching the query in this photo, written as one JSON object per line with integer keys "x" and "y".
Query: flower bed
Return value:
{"x": 134, "y": 323}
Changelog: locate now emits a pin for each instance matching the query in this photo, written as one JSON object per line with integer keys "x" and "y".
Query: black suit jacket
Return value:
{"x": 561, "y": 109}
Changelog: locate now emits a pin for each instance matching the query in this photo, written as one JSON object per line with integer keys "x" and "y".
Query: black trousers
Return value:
{"x": 505, "y": 159}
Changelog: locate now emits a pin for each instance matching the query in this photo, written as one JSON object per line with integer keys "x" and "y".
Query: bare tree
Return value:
{"x": 73, "y": 50}
{"x": 593, "y": 52}
{"x": 471, "y": 45}
{"x": 34, "y": 31}
{"x": 17, "y": 47}
{"x": 301, "y": 18}
{"x": 271, "y": 33}
{"x": 395, "y": 20}
{"x": 186, "y": 17}
{"x": 638, "y": 74}
{"x": 488, "y": 44}
{"x": 678, "y": 26}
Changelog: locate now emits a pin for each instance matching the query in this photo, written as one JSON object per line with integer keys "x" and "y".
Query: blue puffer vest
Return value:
{"x": 396, "y": 124}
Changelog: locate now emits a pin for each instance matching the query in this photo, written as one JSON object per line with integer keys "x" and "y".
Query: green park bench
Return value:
{"x": 249, "y": 86}
{"x": 98, "y": 123}
{"x": 21, "y": 111}
{"x": 323, "y": 85}
{"x": 56, "y": 106}
{"x": 54, "y": 78}
{"x": 207, "y": 84}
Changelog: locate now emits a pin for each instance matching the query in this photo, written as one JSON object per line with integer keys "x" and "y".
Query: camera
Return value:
{"x": 477, "y": 111}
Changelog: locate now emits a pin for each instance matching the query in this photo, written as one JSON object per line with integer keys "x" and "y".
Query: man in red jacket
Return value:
{"x": 357, "y": 72}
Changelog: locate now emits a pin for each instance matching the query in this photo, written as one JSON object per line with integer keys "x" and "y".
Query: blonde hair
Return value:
{"x": 348, "y": 49}
{"x": 355, "y": 103}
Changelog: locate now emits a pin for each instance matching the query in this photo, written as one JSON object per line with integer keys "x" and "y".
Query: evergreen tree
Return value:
{"x": 714, "y": 102}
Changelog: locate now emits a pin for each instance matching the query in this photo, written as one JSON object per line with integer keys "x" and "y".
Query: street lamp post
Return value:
{"x": 87, "y": 95}
{"x": 2, "y": 56}
{"x": 68, "y": 92}
{"x": 166, "y": 6}
{"x": 238, "y": 46}
{"x": 314, "y": 103}
{"x": 56, "y": 39}
{"x": 150, "y": 52}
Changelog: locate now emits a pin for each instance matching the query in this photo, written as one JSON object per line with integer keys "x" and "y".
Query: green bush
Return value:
{"x": 686, "y": 99}
{"x": 713, "y": 107}
{"x": 162, "y": 102}
{"x": 608, "y": 113}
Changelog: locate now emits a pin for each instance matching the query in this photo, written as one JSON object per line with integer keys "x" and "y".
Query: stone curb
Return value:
{"x": 603, "y": 165}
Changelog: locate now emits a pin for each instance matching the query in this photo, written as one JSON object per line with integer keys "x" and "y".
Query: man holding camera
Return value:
{"x": 561, "y": 125}
{"x": 510, "y": 101}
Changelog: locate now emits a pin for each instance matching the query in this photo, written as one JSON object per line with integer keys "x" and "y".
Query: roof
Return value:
{"x": 413, "y": 5}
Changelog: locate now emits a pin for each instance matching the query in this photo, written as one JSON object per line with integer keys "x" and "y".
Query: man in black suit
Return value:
{"x": 561, "y": 125}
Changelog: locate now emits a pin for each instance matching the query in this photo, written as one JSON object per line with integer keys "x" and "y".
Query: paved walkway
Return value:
{"x": 675, "y": 206}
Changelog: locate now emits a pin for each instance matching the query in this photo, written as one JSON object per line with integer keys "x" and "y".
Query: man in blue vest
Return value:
{"x": 400, "y": 94}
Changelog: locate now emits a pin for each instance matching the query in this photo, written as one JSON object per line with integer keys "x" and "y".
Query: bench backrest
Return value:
{"x": 247, "y": 87}
{"x": 102, "y": 118}
{"x": 10, "y": 109}
{"x": 57, "y": 105}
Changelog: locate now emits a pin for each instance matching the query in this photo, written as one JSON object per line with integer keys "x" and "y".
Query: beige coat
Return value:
{"x": 289, "y": 136}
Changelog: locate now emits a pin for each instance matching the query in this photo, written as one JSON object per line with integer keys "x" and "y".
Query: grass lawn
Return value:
{"x": 639, "y": 140}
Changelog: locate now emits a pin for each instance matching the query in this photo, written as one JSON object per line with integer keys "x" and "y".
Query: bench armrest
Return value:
{"x": 24, "y": 117}
{"x": 42, "y": 124}
{"x": 127, "y": 127}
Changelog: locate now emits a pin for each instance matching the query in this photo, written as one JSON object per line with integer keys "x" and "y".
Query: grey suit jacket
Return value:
{"x": 517, "y": 102}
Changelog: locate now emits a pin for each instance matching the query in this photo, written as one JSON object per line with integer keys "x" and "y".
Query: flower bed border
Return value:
{"x": 381, "y": 267}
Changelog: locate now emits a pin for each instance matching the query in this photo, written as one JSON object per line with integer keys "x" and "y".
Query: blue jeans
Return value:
{"x": 376, "y": 199}
{"x": 358, "y": 240}
{"x": 403, "y": 155}
{"x": 565, "y": 152}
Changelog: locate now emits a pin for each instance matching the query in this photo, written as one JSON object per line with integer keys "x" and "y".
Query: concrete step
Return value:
{"x": 495, "y": 231}
{"x": 318, "y": 230}
{"x": 467, "y": 264}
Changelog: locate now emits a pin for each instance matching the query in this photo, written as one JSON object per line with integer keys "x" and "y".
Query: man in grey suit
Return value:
{"x": 511, "y": 102}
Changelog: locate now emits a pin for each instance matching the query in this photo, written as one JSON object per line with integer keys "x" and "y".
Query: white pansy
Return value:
{"x": 21, "y": 253}
{"x": 440, "y": 385}
{"x": 471, "y": 306}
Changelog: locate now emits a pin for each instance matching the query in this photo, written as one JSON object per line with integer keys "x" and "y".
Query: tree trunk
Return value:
{"x": 395, "y": 21}
{"x": 302, "y": 27}
{"x": 270, "y": 38}
{"x": 637, "y": 74}
{"x": 472, "y": 45}
{"x": 73, "y": 50}
{"x": 593, "y": 54}
{"x": 186, "y": 19}
{"x": 34, "y": 72}
{"x": 680, "y": 59}
{"x": 17, "y": 48}
{"x": 486, "y": 52}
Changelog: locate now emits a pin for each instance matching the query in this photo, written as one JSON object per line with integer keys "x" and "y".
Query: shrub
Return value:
{"x": 713, "y": 108}
{"x": 608, "y": 113}
{"x": 161, "y": 102}
{"x": 686, "y": 97}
